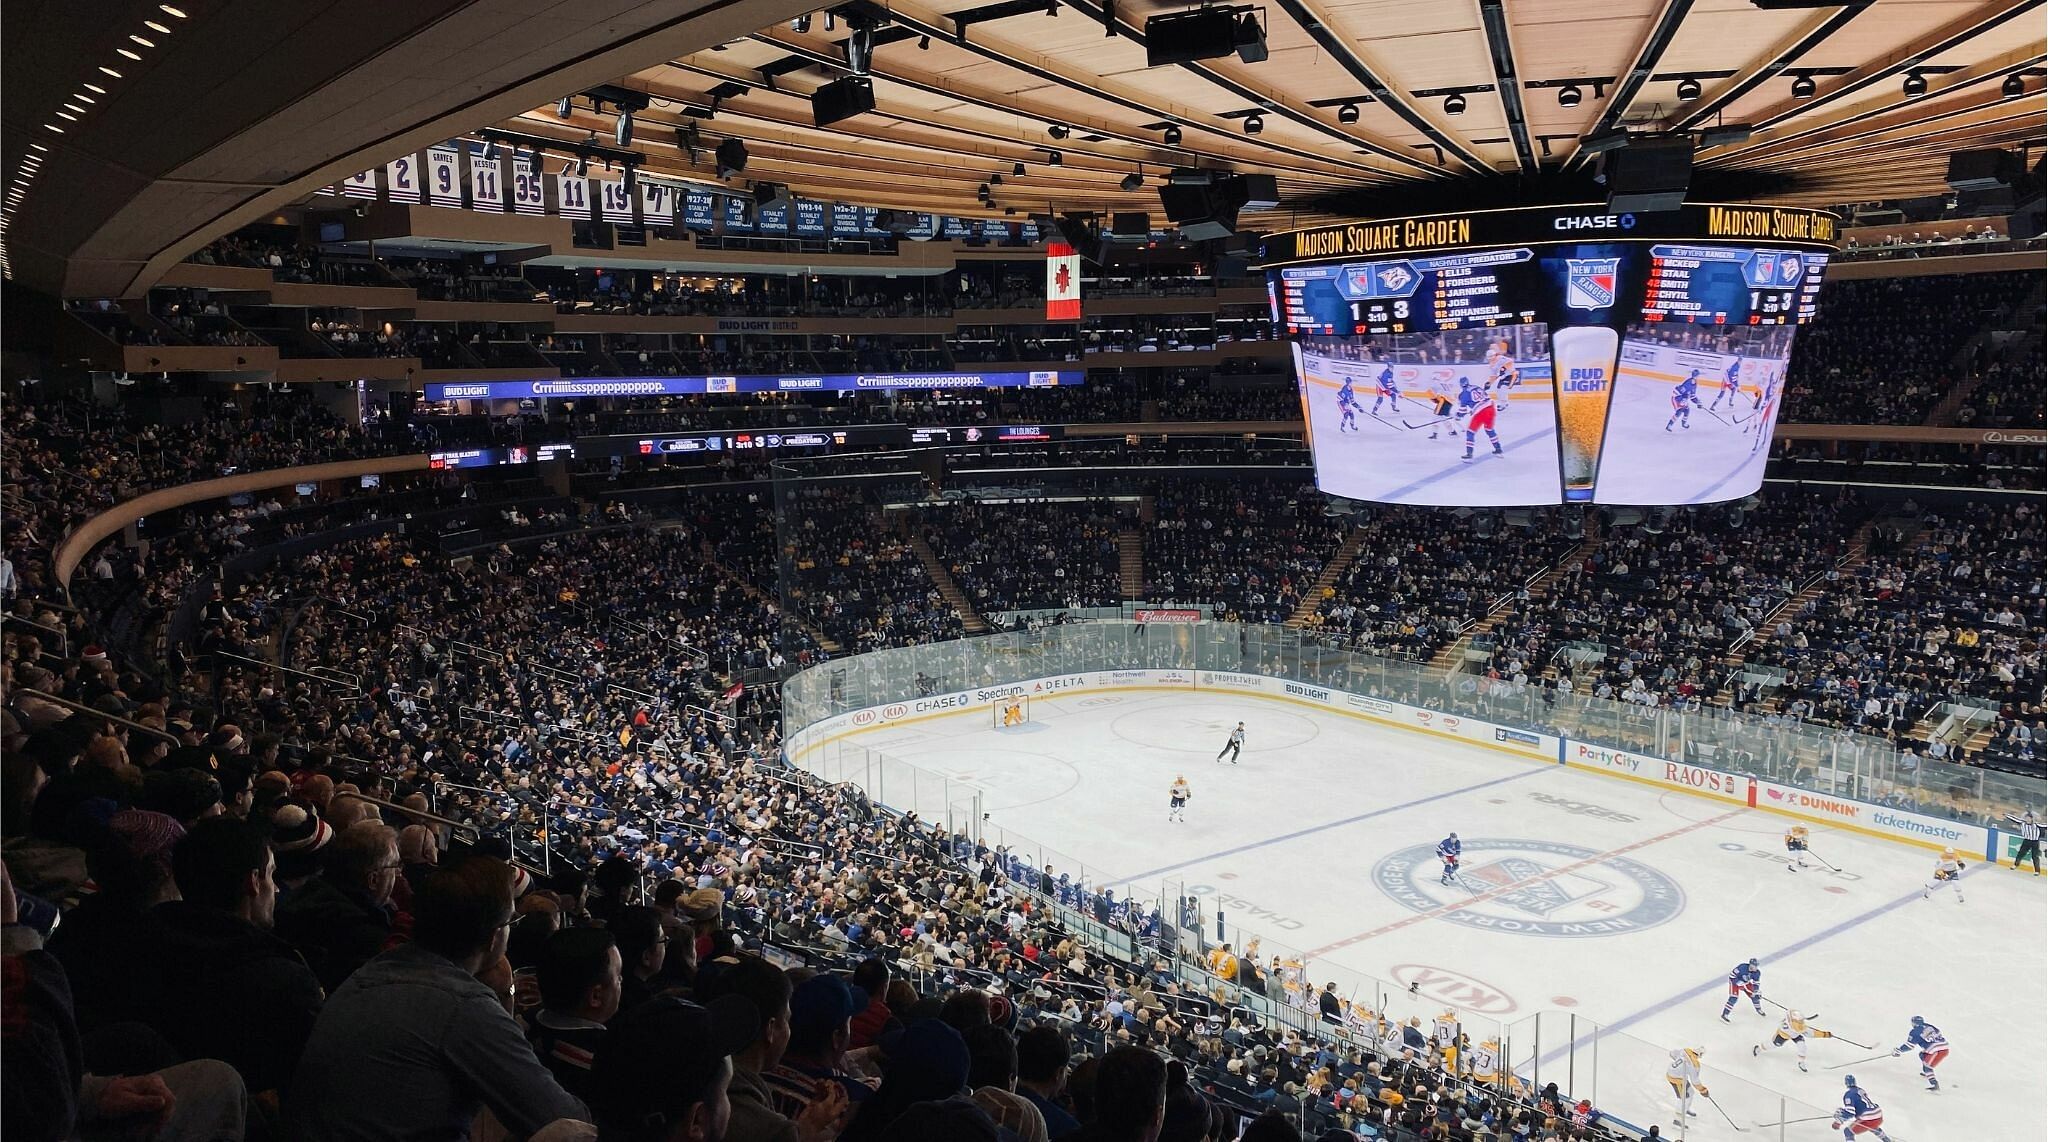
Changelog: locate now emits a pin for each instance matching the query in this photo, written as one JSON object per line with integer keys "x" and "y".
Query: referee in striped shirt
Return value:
{"x": 2030, "y": 840}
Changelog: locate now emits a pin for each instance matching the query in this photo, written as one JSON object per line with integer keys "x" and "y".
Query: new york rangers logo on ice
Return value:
{"x": 1589, "y": 283}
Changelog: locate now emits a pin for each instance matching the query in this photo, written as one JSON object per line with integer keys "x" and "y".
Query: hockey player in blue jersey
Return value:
{"x": 1476, "y": 409}
{"x": 1746, "y": 979}
{"x": 1731, "y": 385}
{"x": 1347, "y": 405}
{"x": 1926, "y": 1038}
{"x": 1448, "y": 851}
{"x": 1860, "y": 1113}
{"x": 1684, "y": 399}
{"x": 1387, "y": 391}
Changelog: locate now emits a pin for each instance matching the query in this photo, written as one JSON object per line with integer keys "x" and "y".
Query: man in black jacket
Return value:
{"x": 224, "y": 986}
{"x": 342, "y": 917}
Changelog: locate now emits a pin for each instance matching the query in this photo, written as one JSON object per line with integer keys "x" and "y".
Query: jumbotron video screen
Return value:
{"x": 1547, "y": 355}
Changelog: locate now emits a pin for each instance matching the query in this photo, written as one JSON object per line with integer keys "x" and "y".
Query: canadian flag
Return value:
{"x": 1062, "y": 282}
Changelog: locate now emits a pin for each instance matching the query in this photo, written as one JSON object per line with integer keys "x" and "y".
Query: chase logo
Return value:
{"x": 1585, "y": 379}
{"x": 1533, "y": 888}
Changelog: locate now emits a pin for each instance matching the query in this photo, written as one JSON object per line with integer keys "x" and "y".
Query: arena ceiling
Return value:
{"x": 1354, "y": 94}
{"x": 132, "y": 131}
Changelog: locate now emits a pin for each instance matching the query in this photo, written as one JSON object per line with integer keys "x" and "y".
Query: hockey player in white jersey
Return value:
{"x": 1948, "y": 870}
{"x": 1684, "y": 1076}
{"x": 1795, "y": 1029}
{"x": 1443, "y": 1038}
{"x": 1177, "y": 799}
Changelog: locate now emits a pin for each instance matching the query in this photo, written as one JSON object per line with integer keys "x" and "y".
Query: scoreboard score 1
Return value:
{"x": 1724, "y": 285}
{"x": 1410, "y": 295}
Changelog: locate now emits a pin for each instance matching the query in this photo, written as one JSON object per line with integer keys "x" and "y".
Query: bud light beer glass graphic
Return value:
{"x": 1583, "y": 360}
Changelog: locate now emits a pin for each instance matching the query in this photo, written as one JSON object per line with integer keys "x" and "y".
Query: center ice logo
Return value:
{"x": 1589, "y": 282}
{"x": 1533, "y": 888}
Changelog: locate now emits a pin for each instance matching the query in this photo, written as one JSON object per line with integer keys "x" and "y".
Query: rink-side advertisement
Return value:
{"x": 1642, "y": 365}
{"x": 805, "y": 747}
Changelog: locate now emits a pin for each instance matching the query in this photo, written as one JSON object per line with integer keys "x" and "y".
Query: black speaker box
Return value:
{"x": 1648, "y": 175}
{"x": 732, "y": 156}
{"x": 1183, "y": 37}
{"x": 842, "y": 99}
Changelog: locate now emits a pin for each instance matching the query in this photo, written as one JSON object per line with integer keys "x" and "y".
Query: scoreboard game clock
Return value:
{"x": 1545, "y": 355}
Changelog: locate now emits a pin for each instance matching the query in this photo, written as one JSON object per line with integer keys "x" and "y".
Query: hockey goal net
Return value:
{"x": 1013, "y": 710}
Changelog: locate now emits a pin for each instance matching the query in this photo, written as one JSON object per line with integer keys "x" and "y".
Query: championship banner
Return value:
{"x": 700, "y": 209}
{"x": 572, "y": 195}
{"x": 402, "y": 178}
{"x": 444, "y": 177}
{"x": 528, "y": 195}
{"x": 657, "y": 203}
{"x": 616, "y": 200}
{"x": 362, "y": 184}
{"x": 1062, "y": 282}
{"x": 486, "y": 181}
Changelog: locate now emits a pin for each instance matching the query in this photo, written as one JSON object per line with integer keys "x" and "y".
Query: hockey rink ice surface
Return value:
{"x": 1323, "y": 837}
{"x": 1385, "y": 460}
{"x": 1640, "y": 463}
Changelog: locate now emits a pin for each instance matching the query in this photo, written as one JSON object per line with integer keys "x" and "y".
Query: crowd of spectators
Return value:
{"x": 1028, "y": 555}
{"x": 1946, "y": 608}
{"x": 1250, "y": 547}
{"x": 855, "y": 577}
{"x": 1421, "y": 578}
{"x": 1651, "y": 613}
{"x": 1884, "y": 350}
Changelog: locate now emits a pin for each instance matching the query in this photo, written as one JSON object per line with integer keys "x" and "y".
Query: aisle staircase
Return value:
{"x": 1130, "y": 550}
{"x": 1854, "y": 554}
{"x": 1333, "y": 570}
{"x": 1452, "y": 656}
{"x": 710, "y": 558}
{"x": 942, "y": 578}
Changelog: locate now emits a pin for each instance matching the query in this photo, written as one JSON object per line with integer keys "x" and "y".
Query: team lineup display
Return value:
{"x": 1547, "y": 355}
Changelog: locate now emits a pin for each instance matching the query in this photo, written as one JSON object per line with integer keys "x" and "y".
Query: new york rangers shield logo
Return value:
{"x": 1589, "y": 282}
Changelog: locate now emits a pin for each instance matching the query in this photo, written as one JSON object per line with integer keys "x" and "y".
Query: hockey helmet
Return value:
{"x": 1949, "y": 853}
{"x": 1792, "y": 1015}
{"x": 1752, "y": 961}
{"x": 1453, "y": 837}
{"x": 1848, "y": 1080}
{"x": 1917, "y": 1021}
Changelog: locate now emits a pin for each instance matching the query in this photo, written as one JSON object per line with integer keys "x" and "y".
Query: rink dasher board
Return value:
{"x": 1736, "y": 790}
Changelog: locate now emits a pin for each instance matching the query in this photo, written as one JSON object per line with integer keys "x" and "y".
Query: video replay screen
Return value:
{"x": 1547, "y": 356}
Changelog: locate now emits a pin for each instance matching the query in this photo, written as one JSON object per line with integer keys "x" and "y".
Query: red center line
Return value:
{"x": 1419, "y": 917}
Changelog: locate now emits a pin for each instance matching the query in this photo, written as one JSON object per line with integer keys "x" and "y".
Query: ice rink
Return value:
{"x": 1384, "y": 459}
{"x": 1587, "y": 894}
{"x": 1710, "y": 461}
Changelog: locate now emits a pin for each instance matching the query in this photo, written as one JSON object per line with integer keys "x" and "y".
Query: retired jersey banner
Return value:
{"x": 572, "y": 195}
{"x": 528, "y": 195}
{"x": 402, "y": 178}
{"x": 615, "y": 199}
{"x": 486, "y": 182}
{"x": 657, "y": 203}
{"x": 444, "y": 177}
{"x": 1062, "y": 283}
{"x": 362, "y": 184}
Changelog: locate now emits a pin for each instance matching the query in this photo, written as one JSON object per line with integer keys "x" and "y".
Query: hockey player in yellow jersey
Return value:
{"x": 1796, "y": 1029}
{"x": 1443, "y": 1038}
{"x": 1795, "y": 848}
{"x": 1684, "y": 1076}
{"x": 1948, "y": 870}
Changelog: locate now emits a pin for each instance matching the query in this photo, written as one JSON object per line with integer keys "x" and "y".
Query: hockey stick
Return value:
{"x": 1790, "y": 1121}
{"x": 1830, "y": 865}
{"x": 1715, "y": 415}
{"x": 1724, "y": 1114}
{"x": 1857, "y": 1062}
{"x": 1426, "y": 423}
{"x": 1853, "y": 1043}
{"x": 1382, "y": 420}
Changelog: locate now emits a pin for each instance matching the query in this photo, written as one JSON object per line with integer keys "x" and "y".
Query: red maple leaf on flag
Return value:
{"x": 1063, "y": 278}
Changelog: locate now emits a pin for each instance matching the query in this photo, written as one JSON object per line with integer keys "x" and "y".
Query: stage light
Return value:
{"x": 1688, "y": 89}
{"x": 1803, "y": 87}
{"x": 1253, "y": 124}
{"x": 1454, "y": 104}
{"x": 1058, "y": 131}
{"x": 1569, "y": 95}
{"x": 1348, "y": 113}
{"x": 1915, "y": 85}
{"x": 2015, "y": 85}
{"x": 1171, "y": 137}
{"x": 563, "y": 107}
